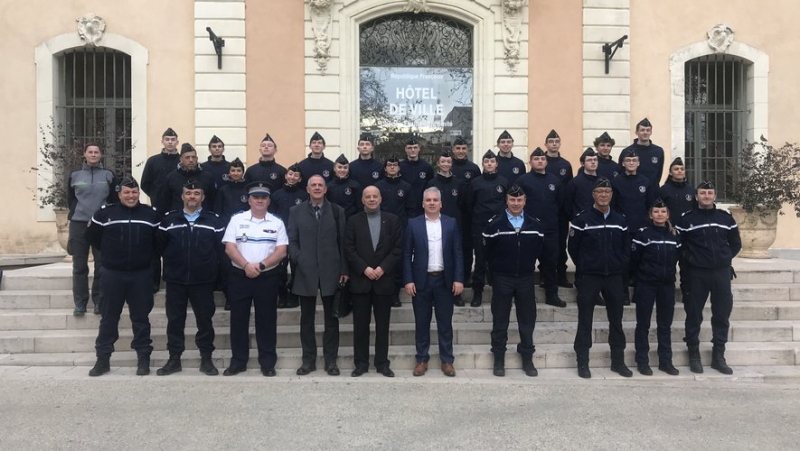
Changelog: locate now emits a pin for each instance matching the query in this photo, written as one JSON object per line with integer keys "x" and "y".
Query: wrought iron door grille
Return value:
{"x": 716, "y": 107}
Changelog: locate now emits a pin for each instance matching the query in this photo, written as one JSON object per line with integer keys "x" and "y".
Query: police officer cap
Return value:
{"x": 316, "y": 137}
{"x": 169, "y": 132}
{"x": 258, "y": 188}
{"x": 504, "y": 135}
{"x": 192, "y": 184}
{"x": 589, "y": 152}
{"x": 237, "y": 163}
{"x": 706, "y": 184}
{"x": 631, "y": 154}
{"x": 604, "y": 138}
{"x": 186, "y": 147}
{"x": 552, "y": 135}
{"x": 489, "y": 155}
{"x": 295, "y": 168}
{"x": 392, "y": 159}
{"x": 366, "y": 137}
{"x": 538, "y": 152}
{"x": 659, "y": 203}
{"x": 515, "y": 191}
{"x": 459, "y": 142}
{"x": 127, "y": 181}
{"x": 215, "y": 140}
{"x": 412, "y": 141}
{"x": 342, "y": 159}
{"x": 602, "y": 182}
{"x": 676, "y": 162}
{"x": 269, "y": 138}
{"x": 644, "y": 123}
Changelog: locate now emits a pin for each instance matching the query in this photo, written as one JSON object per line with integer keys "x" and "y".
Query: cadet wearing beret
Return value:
{"x": 187, "y": 169}
{"x": 679, "y": 196}
{"x": 316, "y": 163}
{"x": 651, "y": 156}
{"x": 366, "y": 170}
{"x": 508, "y": 165}
{"x": 267, "y": 170}
{"x": 465, "y": 171}
{"x": 343, "y": 190}
{"x": 561, "y": 168}
{"x": 416, "y": 172}
{"x": 216, "y": 165}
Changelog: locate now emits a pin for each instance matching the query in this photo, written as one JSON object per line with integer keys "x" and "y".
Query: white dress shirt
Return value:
{"x": 435, "y": 252}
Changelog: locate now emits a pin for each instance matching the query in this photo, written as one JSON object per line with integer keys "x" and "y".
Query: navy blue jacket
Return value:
{"x": 465, "y": 170}
{"x": 654, "y": 254}
{"x": 282, "y": 201}
{"x": 679, "y": 197}
{"x": 173, "y": 188}
{"x": 125, "y": 236}
{"x": 651, "y": 161}
{"x": 192, "y": 252}
{"x": 452, "y": 195}
{"x": 559, "y": 167}
{"x": 154, "y": 177}
{"x": 416, "y": 173}
{"x": 345, "y": 193}
{"x": 415, "y": 252}
{"x": 510, "y": 167}
{"x": 316, "y": 166}
{"x": 395, "y": 197}
{"x": 607, "y": 167}
{"x": 544, "y": 198}
{"x": 366, "y": 172}
{"x": 578, "y": 196}
{"x": 510, "y": 251}
{"x": 218, "y": 169}
{"x": 484, "y": 198}
{"x": 633, "y": 195}
{"x": 269, "y": 172}
{"x": 230, "y": 199}
{"x": 710, "y": 238}
{"x": 599, "y": 245}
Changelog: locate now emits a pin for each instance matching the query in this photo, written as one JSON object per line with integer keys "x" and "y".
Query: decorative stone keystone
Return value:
{"x": 720, "y": 37}
{"x": 91, "y": 28}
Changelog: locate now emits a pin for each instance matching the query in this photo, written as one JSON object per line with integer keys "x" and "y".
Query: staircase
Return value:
{"x": 37, "y": 327}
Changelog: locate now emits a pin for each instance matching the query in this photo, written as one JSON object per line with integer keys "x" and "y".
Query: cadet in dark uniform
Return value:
{"x": 485, "y": 197}
{"x": 709, "y": 241}
{"x": 561, "y": 168}
{"x": 188, "y": 169}
{"x": 465, "y": 170}
{"x": 606, "y": 166}
{"x": 508, "y": 166}
{"x": 578, "y": 196}
{"x": 281, "y": 204}
{"x": 599, "y": 245}
{"x": 416, "y": 172}
{"x": 231, "y": 198}
{"x": 651, "y": 156}
{"x": 267, "y": 170}
{"x": 216, "y": 165}
{"x": 190, "y": 240}
{"x": 679, "y": 196}
{"x": 512, "y": 242}
{"x": 343, "y": 190}
{"x": 654, "y": 254}
{"x": 256, "y": 242}
{"x": 125, "y": 233}
{"x": 316, "y": 163}
{"x": 544, "y": 200}
{"x": 366, "y": 170}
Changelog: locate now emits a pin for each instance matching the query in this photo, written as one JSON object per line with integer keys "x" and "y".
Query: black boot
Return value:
{"x": 620, "y": 368}
{"x": 626, "y": 296}
{"x": 563, "y": 282}
{"x": 80, "y": 310}
{"x": 396, "y": 300}
{"x": 527, "y": 365}
{"x": 556, "y": 302}
{"x": 143, "y": 365}
{"x": 695, "y": 365}
{"x": 283, "y": 299}
{"x": 477, "y": 298}
{"x": 102, "y": 366}
{"x": 718, "y": 360}
{"x": 644, "y": 369}
{"x": 173, "y": 366}
{"x": 458, "y": 301}
{"x": 207, "y": 366}
{"x": 96, "y": 308}
{"x": 292, "y": 300}
{"x": 583, "y": 370}
{"x": 227, "y": 303}
{"x": 668, "y": 368}
{"x": 499, "y": 369}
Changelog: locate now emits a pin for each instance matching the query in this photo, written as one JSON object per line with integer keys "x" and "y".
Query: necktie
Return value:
{"x": 316, "y": 212}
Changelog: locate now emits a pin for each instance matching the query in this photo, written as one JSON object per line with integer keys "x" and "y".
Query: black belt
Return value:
{"x": 241, "y": 272}
{"x": 435, "y": 273}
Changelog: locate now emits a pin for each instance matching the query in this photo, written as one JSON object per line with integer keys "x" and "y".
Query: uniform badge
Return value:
{"x": 375, "y": 175}
{"x": 563, "y": 171}
{"x": 454, "y": 192}
{"x": 326, "y": 173}
{"x": 298, "y": 201}
{"x": 273, "y": 176}
{"x": 401, "y": 193}
{"x": 467, "y": 175}
{"x": 243, "y": 198}
{"x": 244, "y": 238}
{"x": 654, "y": 160}
{"x": 633, "y": 246}
{"x": 225, "y": 177}
{"x": 515, "y": 170}
{"x": 689, "y": 198}
{"x": 571, "y": 232}
{"x": 642, "y": 189}
{"x": 422, "y": 175}
{"x": 616, "y": 173}
{"x": 348, "y": 191}
{"x": 551, "y": 187}
{"x": 499, "y": 189}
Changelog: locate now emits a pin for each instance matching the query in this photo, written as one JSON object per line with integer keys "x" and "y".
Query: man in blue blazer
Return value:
{"x": 433, "y": 272}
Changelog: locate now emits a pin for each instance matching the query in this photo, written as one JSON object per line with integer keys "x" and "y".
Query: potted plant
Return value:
{"x": 767, "y": 177}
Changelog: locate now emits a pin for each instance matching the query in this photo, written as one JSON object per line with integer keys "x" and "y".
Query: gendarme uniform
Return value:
{"x": 269, "y": 172}
{"x": 578, "y": 196}
{"x": 509, "y": 166}
{"x": 366, "y": 171}
{"x": 256, "y": 239}
{"x": 345, "y": 192}
{"x": 452, "y": 195}
{"x": 651, "y": 157}
{"x": 281, "y": 202}
{"x": 173, "y": 186}
{"x": 218, "y": 169}
{"x": 311, "y": 165}
{"x": 562, "y": 169}
{"x": 679, "y": 196}
{"x": 395, "y": 197}
{"x": 416, "y": 173}
{"x": 154, "y": 175}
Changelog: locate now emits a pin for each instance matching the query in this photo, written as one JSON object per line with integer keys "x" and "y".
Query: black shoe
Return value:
{"x": 80, "y": 310}
{"x": 359, "y": 371}
{"x": 556, "y": 302}
{"x": 96, "y": 309}
{"x": 718, "y": 361}
{"x": 695, "y": 365}
{"x": 283, "y": 298}
{"x": 102, "y": 366}
{"x": 621, "y": 369}
{"x": 564, "y": 283}
{"x": 207, "y": 367}
{"x": 499, "y": 368}
{"x": 528, "y": 368}
{"x": 292, "y": 300}
{"x": 668, "y": 368}
{"x": 305, "y": 369}
{"x": 143, "y": 365}
{"x": 644, "y": 369}
{"x": 268, "y": 372}
{"x": 234, "y": 370}
{"x": 332, "y": 369}
{"x": 173, "y": 366}
{"x": 583, "y": 371}
{"x": 477, "y": 298}
{"x": 458, "y": 301}
{"x": 396, "y": 300}
{"x": 386, "y": 371}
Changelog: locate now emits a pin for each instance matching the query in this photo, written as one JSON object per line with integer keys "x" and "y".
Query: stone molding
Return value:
{"x": 512, "y": 31}
{"x": 720, "y": 37}
{"x": 91, "y": 28}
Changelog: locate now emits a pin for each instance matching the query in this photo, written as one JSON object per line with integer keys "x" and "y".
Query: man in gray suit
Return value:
{"x": 316, "y": 249}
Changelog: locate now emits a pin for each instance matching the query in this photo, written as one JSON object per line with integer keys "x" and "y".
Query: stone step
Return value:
{"x": 739, "y": 356}
{"x": 51, "y": 318}
{"x": 82, "y": 340}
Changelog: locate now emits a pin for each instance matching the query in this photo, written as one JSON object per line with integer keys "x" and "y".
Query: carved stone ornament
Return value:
{"x": 91, "y": 28}
{"x": 321, "y": 20}
{"x": 512, "y": 31}
{"x": 416, "y": 6}
{"x": 720, "y": 38}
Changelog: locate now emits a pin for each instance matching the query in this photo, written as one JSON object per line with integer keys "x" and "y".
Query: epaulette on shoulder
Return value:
{"x": 642, "y": 229}
{"x": 686, "y": 213}
{"x": 105, "y": 205}
{"x": 492, "y": 218}
{"x": 580, "y": 213}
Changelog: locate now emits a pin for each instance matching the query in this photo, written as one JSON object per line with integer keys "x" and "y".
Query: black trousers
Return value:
{"x": 79, "y": 248}
{"x": 548, "y": 262}
{"x": 563, "y": 233}
{"x": 155, "y": 263}
{"x": 701, "y": 282}
{"x": 201, "y": 297}
{"x": 646, "y": 295}
{"x": 466, "y": 248}
{"x": 261, "y": 292}
{"x": 522, "y": 290}
{"x": 479, "y": 275}
{"x": 308, "y": 337}
{"x": 589, "y": 286}
{"x": 119, "y": 287}
{"x": 363, "y": 307}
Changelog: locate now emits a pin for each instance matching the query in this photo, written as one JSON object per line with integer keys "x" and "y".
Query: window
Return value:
{"x": 93, "y": 103}
{"x": 716, "y": 116}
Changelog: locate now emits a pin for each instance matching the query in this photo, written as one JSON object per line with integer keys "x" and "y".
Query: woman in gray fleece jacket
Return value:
{"x": 89, "y": 189}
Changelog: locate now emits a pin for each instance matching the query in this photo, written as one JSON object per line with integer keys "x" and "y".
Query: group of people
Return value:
{"x": 272, "y": 237}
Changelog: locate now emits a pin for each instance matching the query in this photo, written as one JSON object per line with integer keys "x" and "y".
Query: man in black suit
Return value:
{"x": 373, "y": 244}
